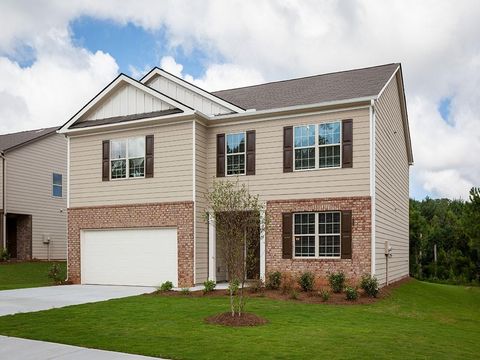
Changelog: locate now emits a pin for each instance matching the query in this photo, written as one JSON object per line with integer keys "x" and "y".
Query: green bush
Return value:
{"x": 307, "y": 281}
{"x": 55, "y": 273}
{"x": 351, "y": 293}
{"x": 274, "y": 280}
{"x": 256, "y": 286}
{"x": 209, "y": 286}
{"x": 369, "y": 284}
{"x": 294, "y": 294}
{"x": 166, "y": 286}
{"x": 185, "y": 291}
{"x": 4, "y": 255}
{"x": 337, "y": 281}
{"x": 233, "y": 286}
{"x": 324, "y": 294}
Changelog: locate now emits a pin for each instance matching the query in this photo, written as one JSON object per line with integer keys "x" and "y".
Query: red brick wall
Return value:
{"x": 353, "y": 268}
{"x": 176, "y": 214}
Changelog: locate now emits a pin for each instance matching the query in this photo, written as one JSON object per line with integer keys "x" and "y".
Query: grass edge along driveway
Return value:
{"x": 28, "y": 274}
{"x": 418, "y": 320}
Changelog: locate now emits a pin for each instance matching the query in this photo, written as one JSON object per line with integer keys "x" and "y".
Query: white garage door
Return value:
{"x": 145, "y": 257}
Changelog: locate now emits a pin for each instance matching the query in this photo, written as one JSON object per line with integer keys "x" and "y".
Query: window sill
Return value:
{"x": 318, "y": 258}
{"x": 315, "y": 169}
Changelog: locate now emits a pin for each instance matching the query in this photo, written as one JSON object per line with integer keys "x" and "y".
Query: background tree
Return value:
{"x": 238, "y": 223}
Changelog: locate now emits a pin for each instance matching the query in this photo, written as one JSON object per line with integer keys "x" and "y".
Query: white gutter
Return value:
{"x": 372, "y": 188}
{"x": 194, "y": 204}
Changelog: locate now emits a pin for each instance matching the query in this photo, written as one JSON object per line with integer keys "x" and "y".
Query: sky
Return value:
{"x": 56, "y": 55}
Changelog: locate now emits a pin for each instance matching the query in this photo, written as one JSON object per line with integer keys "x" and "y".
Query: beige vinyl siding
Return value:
{"x": 186, "y": 96}
{"x": 29, "y": 175}
{"x": 1, "y": 185}
{"x": 127, "y": 100}
{"x": 201, "y": 234}
{"x": 272, "y": 183}
{"x": 391, "y": 186}
{"x": 173, "y": 173}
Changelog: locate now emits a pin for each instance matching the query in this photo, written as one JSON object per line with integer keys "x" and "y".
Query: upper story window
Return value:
{"x": 127, "y": 158}
{"x": 57, "y": 185}
{"x": 317, "y": 234}
{"x": 317, "y": 146}
{"x": 235, "y": 150}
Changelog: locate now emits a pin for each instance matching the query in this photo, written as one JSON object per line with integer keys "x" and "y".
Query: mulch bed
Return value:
{"x": 313, "y": 297}
{"x": 226, "y": 319}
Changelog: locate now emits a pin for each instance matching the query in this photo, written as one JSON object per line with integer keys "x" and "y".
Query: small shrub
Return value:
{"x": 337, "y": 281}
{"x": 324, "y": 294}
{"x": 306, "y": 281}
{"x": 351, "y": 293}
{"x": 185, "y": 291}
{"x": 274, "y": 280}
{"x": 166, "y": 286}
{"x": 294, "y": 294}
{"x": 209, "y": 286}
{"x": 4, "y": 255}
{"x": 369, "y": 284}
{"x": 256, "y": 286}
{"x": 55, "y": 274}
{"x": 287, "y": 283}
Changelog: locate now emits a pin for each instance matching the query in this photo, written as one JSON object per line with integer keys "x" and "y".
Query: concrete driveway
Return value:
{"x": 44, "y": 298}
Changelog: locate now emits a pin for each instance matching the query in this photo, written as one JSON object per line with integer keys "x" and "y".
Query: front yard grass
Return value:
{"x": 419, "y": 320}
{"x": 26, "y": 274}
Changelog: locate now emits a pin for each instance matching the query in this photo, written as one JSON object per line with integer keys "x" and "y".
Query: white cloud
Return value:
{"x": 249, "y": 42}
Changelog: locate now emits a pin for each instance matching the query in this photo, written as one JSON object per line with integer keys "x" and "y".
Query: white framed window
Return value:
{"x": 127, "y": 158}
{"x": 317, "y": 146}
{"x": 235, "y": 153}
{"x": 317, "y": 235}
{"x": 56, "y": 185}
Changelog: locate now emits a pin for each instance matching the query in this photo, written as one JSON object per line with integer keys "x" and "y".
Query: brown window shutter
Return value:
{"x": 220, "y": 155}
{"x": 149, "y": 151}
{"x": 346, "y": 234}
{"x": 288, "y": 149}
{"x": 250, "y": 152}
{"x": 347, "y": 143}
{"x": 106, "y": 160}
{"x": 287, "y": 240}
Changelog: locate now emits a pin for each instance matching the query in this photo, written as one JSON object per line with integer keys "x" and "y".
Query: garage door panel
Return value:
{"x": 145, "y": 257}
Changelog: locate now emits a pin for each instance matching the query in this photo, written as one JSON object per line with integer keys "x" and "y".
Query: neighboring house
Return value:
{"x": 33, "y": 197}
{"x": 329, "y": 154}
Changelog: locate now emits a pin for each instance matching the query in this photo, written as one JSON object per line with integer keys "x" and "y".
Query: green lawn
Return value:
{"x": 419, "y": 320}
{"x": 26, "y": 274}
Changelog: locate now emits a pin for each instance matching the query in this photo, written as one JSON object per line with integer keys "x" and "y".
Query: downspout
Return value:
{"x": 4, "y": 203}
{"x": 68, "y": 193}
{"x": 372, "y": 188}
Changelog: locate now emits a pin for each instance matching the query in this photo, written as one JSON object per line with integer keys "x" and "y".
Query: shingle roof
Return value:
{"x": 8, "y": 141}
{"x": 336, "y": 86}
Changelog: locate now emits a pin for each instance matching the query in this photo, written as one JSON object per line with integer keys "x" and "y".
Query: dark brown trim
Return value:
{"x": 347, "y": 143}
{"x": 149, "y": 156}
{"x": 220, "y": 155}
{"x": 346, "y": 237}
{"x": 105, "y": 160}
{"x": 250, "y": 153}
{"x": 287, "y": 235}
{"x": 288, "y": 149}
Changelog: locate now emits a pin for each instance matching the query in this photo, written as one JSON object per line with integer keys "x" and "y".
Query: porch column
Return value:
{"x": 262, "y": 245}
{"x": 212, "y": 249}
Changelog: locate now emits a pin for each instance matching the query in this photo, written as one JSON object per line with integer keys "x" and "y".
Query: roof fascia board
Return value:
{"x": 127, "y": 125}
{"x": 319, "y": 106}
{"x": 110, "y": 87}
{"x": 160, "y": 72}
{"x": 388, "y": 82}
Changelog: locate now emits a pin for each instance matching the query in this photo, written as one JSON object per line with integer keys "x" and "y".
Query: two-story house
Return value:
{"x": 328, "y": 154}
{"x": 33, "y": 201}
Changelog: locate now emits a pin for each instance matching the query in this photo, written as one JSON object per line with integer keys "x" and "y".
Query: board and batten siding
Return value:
{"x": 29, "y": 179}
{"x": 127, "y": 100}
{"x": 173, "y": 170}
{"x": 201, "y": 231}
{"x": 186, "y": 96}
{"x": 391, "y": 187}
{"x": 271, "y": 183}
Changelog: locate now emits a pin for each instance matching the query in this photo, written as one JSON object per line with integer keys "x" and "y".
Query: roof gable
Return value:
{"x": 125, "y": 97}
{"x": 190, "y": 94}
{"x": 15, "y": 140}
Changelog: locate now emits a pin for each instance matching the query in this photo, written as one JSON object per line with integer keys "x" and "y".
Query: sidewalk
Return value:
{"x": 23, "y": 349}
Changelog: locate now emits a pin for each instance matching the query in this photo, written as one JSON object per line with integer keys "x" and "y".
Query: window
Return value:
{"x": 57, "y": 185}
{"x": 317, "y": 234}
{"x": 317, "y": 147}
{"x": 127, "y": 158}
{"x": 235, "y": 154}
{"x": 304, "y": 143}
{"x": 329, "y": 145}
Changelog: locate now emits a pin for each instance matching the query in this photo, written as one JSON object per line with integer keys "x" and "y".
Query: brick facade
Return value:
{"x": 353, "y": 268}
{"x": 24, "y": 237}
{"x": 175, "y": 214}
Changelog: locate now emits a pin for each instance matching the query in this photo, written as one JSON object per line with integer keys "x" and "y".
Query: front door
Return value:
{"x": 12, "y": 237}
